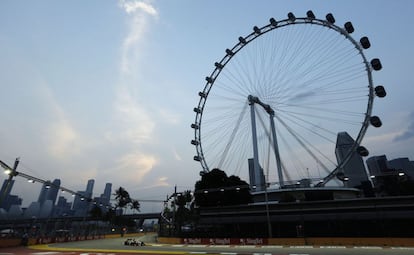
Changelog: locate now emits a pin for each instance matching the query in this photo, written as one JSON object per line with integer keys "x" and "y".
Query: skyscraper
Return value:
{"x": 402, "y": 164}
{"x": 80, "y": 204}
{"x": 49, "y": 191}
{"x": 53, "y": 191}
{"x": 4, "y": 193}
{"x": 43, "y": 192}
{"x": 377, "y": 165}
{"x": 89, "y": 188}
{"x": 354, "y": 169}
{"x": 62, "y": 207}
{"x": 106, "y": 196}
{"x": 259, "y": 184}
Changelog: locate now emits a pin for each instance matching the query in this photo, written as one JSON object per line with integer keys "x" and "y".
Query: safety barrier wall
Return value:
{"x": 124, "y": 235}
{"x": 314, "y": 241}
{"x": 13, "y": 242}
{"x": 47, "y": 240}
{"x": 364, "y": 241}
{"x": 9, "y": 242}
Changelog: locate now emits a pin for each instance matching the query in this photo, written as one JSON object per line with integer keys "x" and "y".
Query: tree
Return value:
{"x": 109, "y": 215}
{"x": 183, "y": 213}
{"x": 135, "y": 205}
{"x": 96, "y": 212}
{"x": 123, "y": 200}
{"x": 217, "y": 189}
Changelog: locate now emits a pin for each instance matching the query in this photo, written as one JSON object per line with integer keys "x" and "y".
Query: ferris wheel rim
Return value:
{"x": 244, "y": 41}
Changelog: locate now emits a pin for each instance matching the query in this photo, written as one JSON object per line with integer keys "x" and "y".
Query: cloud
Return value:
{"x": 408, "y": 132}
{"x": 169, "y": 116}
{"x": 133, "y": 131}
{"x": 136, "y": 122}
{"x": 162, "y": 181}
{"x": 134, "y": 6}
{"x": 303, "y": 95}
{"x": 63, "y": 141}
{"x": 136, "y": 165}
{"x": 176, "y": 155}
{"x": 140, "y": 12}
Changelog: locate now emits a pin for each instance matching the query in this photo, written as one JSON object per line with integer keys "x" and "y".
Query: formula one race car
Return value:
{"x": 133, "y": 242}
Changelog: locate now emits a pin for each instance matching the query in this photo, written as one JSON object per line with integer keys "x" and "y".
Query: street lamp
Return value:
{"x": 269, "y": 223}
{"x": 11, "y": 172}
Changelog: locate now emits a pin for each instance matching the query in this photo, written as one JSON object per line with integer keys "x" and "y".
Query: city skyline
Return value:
{"x": 52, "y": 203}
{"x": 106, "y": 91}
{"x": 375, "y": 165}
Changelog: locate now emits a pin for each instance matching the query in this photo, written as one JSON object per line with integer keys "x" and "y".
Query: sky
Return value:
{"x": 105, "y": 90}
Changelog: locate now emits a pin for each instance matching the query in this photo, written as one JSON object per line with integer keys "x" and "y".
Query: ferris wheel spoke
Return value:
{"x": 232, "y": 135}
{"x": 322, "y": 116}
{"x": 302, "y": 142}
{"x": 311, "y": 127}
{"x": 297, "y": 164}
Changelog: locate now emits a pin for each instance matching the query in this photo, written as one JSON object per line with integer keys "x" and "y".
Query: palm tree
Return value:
{"x": 134, "y": 205}
{"x": 122, "y": 198}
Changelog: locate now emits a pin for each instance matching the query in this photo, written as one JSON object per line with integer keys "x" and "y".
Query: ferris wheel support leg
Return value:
{"x": 256, "y": 166}
{"x": 277, "y": 155}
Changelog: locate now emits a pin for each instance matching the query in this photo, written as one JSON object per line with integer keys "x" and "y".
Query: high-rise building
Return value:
{"x": 377, "y": 165}
{"x": 10, "y": 201}
{"x": 43, "y": 192}
{"x": 81, "y": 205}
{"x": 49, "y": 191}
{"x": 354, "y": 169}
{"x": 5, "y": 193}
{"x": 62, "y": 208}
{"x": 89, "y": 188}
{"x": 53, "y": 191}
{"x": 402, "y": 164}
{"x": 106, "y": 196}
{"x": 259, "y": 184}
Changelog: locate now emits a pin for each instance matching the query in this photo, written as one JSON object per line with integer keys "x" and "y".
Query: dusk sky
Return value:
{"x": 105, "y": 90}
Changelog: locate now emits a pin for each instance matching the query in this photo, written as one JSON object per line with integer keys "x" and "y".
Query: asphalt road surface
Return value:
{"x": 116, "y": 247}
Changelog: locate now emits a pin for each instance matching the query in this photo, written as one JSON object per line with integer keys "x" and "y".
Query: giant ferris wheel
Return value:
{"x": 277, "y": 100}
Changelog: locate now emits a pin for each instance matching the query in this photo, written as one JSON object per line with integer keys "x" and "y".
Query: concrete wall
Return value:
{"x": 315, "y": 241}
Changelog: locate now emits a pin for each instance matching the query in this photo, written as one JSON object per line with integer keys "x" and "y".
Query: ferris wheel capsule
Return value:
{"x": 365, "y": 42}
{"x": 310, "y": 15}
{"x": 242, "y": 40}
{"x": 273, "y": 22}
{"x": 380, "y": 91}
{"x": 375, "y": 121}
{"x": 291, "y": 16}
{"x": 376, "y": 64}
{"x": 362, "y": 151}
{"x": 349, "y": 27}
{"x": 330, "y": 18}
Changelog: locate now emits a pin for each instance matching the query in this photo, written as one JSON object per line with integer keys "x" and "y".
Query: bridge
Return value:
{"x": 140, "y": 217}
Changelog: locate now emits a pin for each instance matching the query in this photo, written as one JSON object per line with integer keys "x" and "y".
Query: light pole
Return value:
{"x": 11, "y": 172}
{"x": 269, "y": 223}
